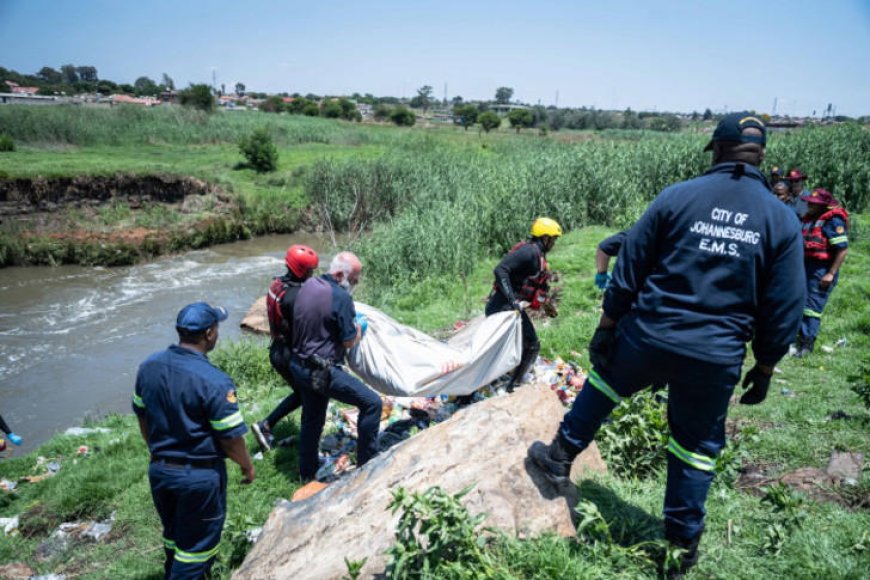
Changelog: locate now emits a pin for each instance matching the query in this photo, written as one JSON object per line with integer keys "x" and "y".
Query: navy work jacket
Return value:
{"x": 713, "y": 263}
{"x": 188, "y": 404}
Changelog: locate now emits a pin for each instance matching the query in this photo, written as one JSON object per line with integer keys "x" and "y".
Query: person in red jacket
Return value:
{"x": 826, "y": 242}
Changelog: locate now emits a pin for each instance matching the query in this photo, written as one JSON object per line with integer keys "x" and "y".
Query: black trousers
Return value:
{"x": 531, "y": 344}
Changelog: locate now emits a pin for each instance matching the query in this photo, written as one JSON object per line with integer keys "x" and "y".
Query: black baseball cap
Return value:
{"x": 730, "y": 128}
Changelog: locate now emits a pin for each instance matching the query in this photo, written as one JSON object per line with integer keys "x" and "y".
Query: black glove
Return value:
{"x": 601, "y": 346}
{"x": 757, "y": 381}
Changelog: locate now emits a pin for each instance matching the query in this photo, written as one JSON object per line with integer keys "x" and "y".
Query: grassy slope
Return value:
{"x": 794, "y": 432}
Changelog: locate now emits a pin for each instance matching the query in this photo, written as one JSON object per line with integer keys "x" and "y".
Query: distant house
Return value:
{"x": 19, "y": 90}
{"x": 170, "y": 97}
{"x": 128, "y": 100}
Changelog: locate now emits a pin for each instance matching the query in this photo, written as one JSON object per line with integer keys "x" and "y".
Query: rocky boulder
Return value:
{"x": 484, "y": 444}
{"x": 256, "y": 319}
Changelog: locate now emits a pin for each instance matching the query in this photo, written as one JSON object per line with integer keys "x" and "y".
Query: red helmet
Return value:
{"x": 796, "y": 175}
{"x": 301, "y": 260}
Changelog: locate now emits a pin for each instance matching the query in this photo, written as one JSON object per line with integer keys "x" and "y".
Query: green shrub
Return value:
{"x": 403, "y": 116}
{"x": 260, "y": 151}
{"x": 635, "y": 440}
{"x": 489, "y": 121}
{"x": 436, "y": 537}
{"x": 199, "y": 97}
{"x": 6, "y": 143}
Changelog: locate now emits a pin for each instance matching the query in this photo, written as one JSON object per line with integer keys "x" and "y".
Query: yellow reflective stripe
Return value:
{"x": 137, "y": 400}
{"x": 695, "y": 460}
{"x": 812, "y": 313}
{"x": 602, "y": 386}
{"x": 839, "y": 239}
{"x": 228, "y": 422}
{"x": 168, "y": 544}
{"x": 195, "y": 557}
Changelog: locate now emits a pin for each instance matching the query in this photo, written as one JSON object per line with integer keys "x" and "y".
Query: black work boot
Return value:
{"x": 806, "y": 349}
{"x": 688, "y": 559}
{"x": 554, "y": 460}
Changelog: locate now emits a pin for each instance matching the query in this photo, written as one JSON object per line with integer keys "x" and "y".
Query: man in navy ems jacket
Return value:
{"x": 189, "y": 417}
{"x": 325, "y": 326}
{"x": 713, "y": 263}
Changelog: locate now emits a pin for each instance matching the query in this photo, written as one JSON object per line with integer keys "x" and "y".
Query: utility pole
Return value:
{"x": 557, "y": 98}
{"x": 774, "y": 106}
{"x": 445, "y": 93}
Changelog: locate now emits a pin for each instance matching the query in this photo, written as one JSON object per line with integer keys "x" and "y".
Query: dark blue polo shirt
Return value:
{"x": 713, "y": 263}
{"x": 797, "y": 205}
{"x": 610, "y": 246}
{"x": 323, "y": 319}
{"x": 188, "y": 404}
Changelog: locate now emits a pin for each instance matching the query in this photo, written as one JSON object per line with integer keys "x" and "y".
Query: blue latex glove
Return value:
{"x": 15, "y": 439}
{"x": 602, "y": 280}
{"x": 363, "y": 322}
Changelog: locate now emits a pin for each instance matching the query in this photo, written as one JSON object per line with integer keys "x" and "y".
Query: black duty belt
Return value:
{"x": 184, "y": 462}
{"x": 315, "y": 362}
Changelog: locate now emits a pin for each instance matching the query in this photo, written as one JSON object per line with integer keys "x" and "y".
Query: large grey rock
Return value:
{"x": 484, "y": 444}
{"x": 256, "y": 319}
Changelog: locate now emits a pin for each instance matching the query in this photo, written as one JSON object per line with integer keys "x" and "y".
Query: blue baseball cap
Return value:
{"x": 200, "y": 316}
{"x": 731, "y": 127}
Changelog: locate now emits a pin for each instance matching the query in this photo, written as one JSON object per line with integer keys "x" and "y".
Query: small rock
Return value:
{"x": 16, "y": 571}
{"x": 253, "y": 534}
{"x": 845, "y": 466}
{"x": 9, "y": 525}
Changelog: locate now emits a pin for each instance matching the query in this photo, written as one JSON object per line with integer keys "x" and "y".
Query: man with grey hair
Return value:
{"x": 714, "y": 262}
{"x": 325, "y": 326}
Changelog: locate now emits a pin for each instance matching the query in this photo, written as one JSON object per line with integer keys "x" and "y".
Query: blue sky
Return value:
{"x": 672, "y": 55}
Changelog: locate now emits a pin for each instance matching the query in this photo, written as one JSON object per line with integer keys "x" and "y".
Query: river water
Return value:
{"x": 72, "y": 337}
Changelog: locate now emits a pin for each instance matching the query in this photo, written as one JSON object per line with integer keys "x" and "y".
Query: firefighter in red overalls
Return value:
{"x": 826, "y": 241}
{"x": 522, "y": 276}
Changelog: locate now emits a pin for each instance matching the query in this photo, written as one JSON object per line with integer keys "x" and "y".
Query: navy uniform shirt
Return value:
{"x": 188, "y": 404}
{"x": 837, "y": 232}
{"x": 798, "y": 205}
{"x": 714, "y": 262}
{"x": 323, "y": 319}
{"x": 610, "y": 246}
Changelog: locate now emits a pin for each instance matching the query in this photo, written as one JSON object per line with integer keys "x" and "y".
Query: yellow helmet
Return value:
{"x": 546, "y": 227}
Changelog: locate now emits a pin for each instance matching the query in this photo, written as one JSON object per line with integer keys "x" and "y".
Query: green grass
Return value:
{"x": 792, "y": 432}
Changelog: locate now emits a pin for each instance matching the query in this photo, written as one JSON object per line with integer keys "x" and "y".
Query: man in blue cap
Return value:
{"x": 713, "y": 263}
{"x": 190, "y": 419}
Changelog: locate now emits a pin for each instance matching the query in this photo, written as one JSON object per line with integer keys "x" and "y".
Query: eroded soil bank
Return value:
{"x": 113, "y": 220}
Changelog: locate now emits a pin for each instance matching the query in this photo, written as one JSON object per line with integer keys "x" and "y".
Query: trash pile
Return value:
{"x": 403, "y": 417}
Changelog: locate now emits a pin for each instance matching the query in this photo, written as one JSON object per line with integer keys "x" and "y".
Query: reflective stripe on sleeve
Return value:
{"x": 839, "y": 240}
{"x": 600, "y": 384}
{"x": 812, "y": 313}
{"x": 168, "y": 544}
{"x": 195, "y": 557}
{"x": 695, "y": 460}
{"x": 137, "y": 400}
{"x": 228, "y": 422}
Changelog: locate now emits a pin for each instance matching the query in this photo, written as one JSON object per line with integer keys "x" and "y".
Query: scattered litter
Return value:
{"x": 787, "y": 392}
{"x": 777, "y": 370}
{"x": 9, "y": 525}
{"x": 781, "y": 381}
{"x": 96, "y": 531}
{"x": 308, "y": 490}
{"x": 827, "y": 349}
{"x": 333, "y": 467}
{"x": 258, "y": 456}
{"x": 842, "y": 342}
{"x": 83, "y": 450}
{"x": 52, "y": 467}
{"x": 286, "y": 441}
{"x": 77, "y": 431}
{"x": 253, "y": 534}
{"x": 49, "y": 577}
{"x": 7, "y": 485}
